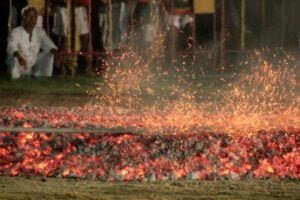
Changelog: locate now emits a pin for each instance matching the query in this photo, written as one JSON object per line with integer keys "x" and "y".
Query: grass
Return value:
{"x": 50, "y": 188}
{"x": 69, "y": 92}
{"x": 57, "y": 91}
{"x": 56, "y": 85}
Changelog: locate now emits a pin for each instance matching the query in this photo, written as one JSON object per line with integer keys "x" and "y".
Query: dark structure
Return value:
{"x": 242, "y": 25}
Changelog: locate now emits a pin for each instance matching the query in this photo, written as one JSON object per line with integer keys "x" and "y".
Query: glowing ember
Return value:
{"x": 137, "y": 93}
{"x": 248, "y": 129}
{"x": 204, "y": 155}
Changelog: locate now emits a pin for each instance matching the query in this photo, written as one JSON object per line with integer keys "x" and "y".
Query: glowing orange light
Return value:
{"x": 66, "y": 172}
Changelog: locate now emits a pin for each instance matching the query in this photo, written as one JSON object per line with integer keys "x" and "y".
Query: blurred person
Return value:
{"x": 180, "y": 15}
{"x": 83, "y": 22}
{"x": 144, "y": 23}
{"x": 114, "y": 32}
{"x": 99, "y": 28}
{"x": 109, "y": 24}
{"x": 126, "y": 16}
{"x": 99, "y": 24}
{"x": 142, "y": 18}
{"x": 233, "y": 24}
{"x": 61, "y": 24}
{"x": 103, "y": 12}
{"x": 30, "y": 51}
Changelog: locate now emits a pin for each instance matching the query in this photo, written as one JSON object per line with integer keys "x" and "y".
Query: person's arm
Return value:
{"x": 46, "y": 43}
{"x": 54, "y": 52}
{"x": 13, "y": 47}
{"x": 20, "y": 59}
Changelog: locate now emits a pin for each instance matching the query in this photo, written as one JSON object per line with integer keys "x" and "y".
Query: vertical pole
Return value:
{"x": 69, "y": 26}
{"x": 243, "y": 27}
{"x": 110, "y": 26}
{"x": 222, "y": 36}
{"x": 263, "y": 22}
{"x": 283, "y": 20}
{"x": 9, "y": 24}
{"x": 73, "y": 27}
{"x": 90, "y": 27}
{"x": 215, "y": 38}
{"x": 193, "y": 33}
{"x": 46, "y": 16}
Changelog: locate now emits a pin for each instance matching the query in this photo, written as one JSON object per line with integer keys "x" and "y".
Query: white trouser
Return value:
{"x": 103, "y": 25}
{"x": 179, "y": 21}
{"x": 60, "y": 26}
{"x": 42, "y": 67}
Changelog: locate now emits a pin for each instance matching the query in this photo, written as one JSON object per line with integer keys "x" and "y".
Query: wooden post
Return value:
{"x": 110, "y": 26}
{"x": 9, "y": 23}
{"x": 215, "y": 40}
{"x": 243, "y": 26}
{"x": 73, "y": 26}
{"x": 263, "y": 22}
{"x": 90, "y": 42}
{"x": 222, "y": 35}
{"x": 283, "y": 20}
{"x": 69, "y": 31}
{"x": 71, "y": 40}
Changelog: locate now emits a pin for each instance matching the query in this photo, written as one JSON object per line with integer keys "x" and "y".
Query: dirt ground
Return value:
{"x": 17, "y": 188}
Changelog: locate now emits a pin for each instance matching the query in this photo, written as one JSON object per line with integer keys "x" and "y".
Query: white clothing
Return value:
{"x": 39, "y": 22}
{"x": 103, "y": 25}
{"x": 60, "y": 26}
{"x": 30, "y": 50}
{"x": 179, "y": 21}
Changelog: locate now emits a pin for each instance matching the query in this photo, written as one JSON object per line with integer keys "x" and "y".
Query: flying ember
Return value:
{"x": 248, "y": 126}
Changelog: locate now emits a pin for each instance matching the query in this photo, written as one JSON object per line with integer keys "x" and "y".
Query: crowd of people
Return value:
{"x": 39, "y": 42}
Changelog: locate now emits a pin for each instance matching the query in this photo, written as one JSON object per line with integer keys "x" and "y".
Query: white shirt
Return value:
{"x": 19, "y": 40}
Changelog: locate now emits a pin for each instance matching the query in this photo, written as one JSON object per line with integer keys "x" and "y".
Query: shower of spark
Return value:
{"x": 264, "y": 96}
{"x": 139, "y": 92}
{"x": 225, "y": 136}
{"x": 247, "y": 128}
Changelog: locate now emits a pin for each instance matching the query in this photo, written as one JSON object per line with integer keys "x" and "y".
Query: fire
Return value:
{"x": 66, "y": 172}
{"x": 249, "y": 128}
{"x": 138, "y": 93}
{"x": 270, "y": 169}
{"x": 41, "y": 166}
{"x": 59, "y": 156}
{"x": 29, "y": 136}
{"x": 14, "y": 171}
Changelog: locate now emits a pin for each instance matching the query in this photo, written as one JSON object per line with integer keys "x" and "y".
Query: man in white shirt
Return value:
{"x": 30, "y": 50}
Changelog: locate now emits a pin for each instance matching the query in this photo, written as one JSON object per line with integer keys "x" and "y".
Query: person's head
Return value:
{"x": 29, "y": 16}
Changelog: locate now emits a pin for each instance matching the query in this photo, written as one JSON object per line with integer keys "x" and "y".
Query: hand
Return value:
{"x": 20, "y": 59}
{"x": 22, "y": 62}
{"x": 54, "y": 52}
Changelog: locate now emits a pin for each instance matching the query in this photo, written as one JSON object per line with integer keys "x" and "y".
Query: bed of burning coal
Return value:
{"x": 203, "y": 155}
